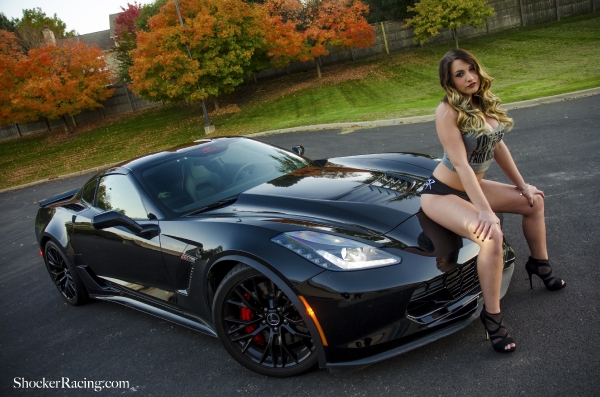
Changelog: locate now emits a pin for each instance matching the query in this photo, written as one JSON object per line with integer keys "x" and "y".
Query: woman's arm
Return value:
{"x": 451, "y": 139}
{"x": 507, "y": 164}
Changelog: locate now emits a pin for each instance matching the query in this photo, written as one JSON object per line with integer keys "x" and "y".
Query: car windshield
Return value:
{"x": 215, "y": 172}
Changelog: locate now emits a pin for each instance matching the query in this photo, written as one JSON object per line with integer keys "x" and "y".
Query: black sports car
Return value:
{"x": 289, "y": 262}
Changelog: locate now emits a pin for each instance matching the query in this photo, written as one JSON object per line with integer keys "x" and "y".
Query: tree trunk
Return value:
{"x": 318, "y": 67}
{"x": 65, "y": 125}
{"x": 18, "y": 130}
{"x": 455, "y": 33}
{"x": 47, "y": 123}
{"x": 74, "y": 122}
{"x": 254, "y": 77}
{"x": 216, "y": 103}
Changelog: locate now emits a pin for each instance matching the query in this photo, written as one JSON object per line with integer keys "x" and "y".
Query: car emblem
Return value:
{"x": 188, "y": 258}
{"x": 273, "y": 319}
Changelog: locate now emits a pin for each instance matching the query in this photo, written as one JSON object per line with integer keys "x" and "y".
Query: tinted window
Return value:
{"x": 89, "y": 191}
{"x": 116, "y": 192}
{"x": 215, "y": 171}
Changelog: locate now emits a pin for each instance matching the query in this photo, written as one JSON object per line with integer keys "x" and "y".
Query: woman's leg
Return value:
{"x": 505, "y": 198}
{"x": 461, "y": 217}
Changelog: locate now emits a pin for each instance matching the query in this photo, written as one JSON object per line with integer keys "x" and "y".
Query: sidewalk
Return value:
{"x": 363, "y": 124}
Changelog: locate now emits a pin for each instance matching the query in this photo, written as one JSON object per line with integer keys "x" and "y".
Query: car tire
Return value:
{"x": 259, "y": 325}
{"x": 64, "y": 275}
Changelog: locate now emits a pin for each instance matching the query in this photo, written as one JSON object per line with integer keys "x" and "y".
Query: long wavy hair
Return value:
{"x": 469, "y": 118}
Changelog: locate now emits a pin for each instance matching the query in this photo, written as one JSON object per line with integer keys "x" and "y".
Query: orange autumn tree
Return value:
{"x": 298, "y": 30}
{"x": 62, "y": 80}
{"x": 224, "y": 37}
{"x": 10, "y": 56}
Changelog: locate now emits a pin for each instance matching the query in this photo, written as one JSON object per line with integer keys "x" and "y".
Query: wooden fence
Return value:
{"x": 122, "y": 101}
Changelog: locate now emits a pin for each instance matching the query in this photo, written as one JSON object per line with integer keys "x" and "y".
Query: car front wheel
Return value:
{"x": 259, "y": 325}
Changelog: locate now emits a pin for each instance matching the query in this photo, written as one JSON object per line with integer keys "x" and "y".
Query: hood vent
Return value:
{"x": 387, "y": 188}
{"x": 394, "y": 182}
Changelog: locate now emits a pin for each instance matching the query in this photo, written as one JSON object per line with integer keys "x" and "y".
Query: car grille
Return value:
{"x": 452, "y": 286}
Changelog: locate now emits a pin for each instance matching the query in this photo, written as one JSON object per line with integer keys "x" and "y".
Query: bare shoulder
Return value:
{"x": 445, "y": 115}
{"x": 445, "y": 112}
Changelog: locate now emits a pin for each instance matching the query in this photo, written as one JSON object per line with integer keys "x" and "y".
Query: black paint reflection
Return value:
{"x": 438, "y": 242}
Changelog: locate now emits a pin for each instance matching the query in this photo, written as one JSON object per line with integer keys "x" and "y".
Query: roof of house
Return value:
{"x": 102, "y": 39}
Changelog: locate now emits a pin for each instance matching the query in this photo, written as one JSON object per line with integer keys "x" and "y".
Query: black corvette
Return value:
{"x": 289, "y": 262}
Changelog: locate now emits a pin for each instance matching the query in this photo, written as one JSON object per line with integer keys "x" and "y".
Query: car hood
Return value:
{"x": 374, "y": 200}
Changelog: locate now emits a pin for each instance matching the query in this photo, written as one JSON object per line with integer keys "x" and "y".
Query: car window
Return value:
{"x": 89, "y": 191}
{"x": 116, "y": 192}
{"x": 215, "y": 171}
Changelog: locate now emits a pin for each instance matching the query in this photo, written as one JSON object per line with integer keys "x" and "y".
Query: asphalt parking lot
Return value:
{"x": 557, "y": 148}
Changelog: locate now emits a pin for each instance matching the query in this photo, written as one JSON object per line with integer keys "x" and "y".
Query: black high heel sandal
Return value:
{"x": 543, "y": 270}
{"x": 496, "y": 331}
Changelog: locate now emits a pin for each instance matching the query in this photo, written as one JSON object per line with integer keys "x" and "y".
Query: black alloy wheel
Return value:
{"x": 63, "y": 275}
{"x": 259, "y": 325}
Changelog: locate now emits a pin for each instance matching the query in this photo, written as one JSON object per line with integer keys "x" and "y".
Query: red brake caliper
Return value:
{"x": 247, "y": 315}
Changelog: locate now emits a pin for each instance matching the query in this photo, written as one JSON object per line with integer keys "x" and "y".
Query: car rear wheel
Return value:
{"x": 63, "y": 274}
{"x": 259, "y": 325}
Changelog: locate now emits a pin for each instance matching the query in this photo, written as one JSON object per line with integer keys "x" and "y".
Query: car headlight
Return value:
{"x": 334, "y": 252}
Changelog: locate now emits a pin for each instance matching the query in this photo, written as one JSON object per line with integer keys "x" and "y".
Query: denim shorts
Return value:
{"x": 434, "y": 186}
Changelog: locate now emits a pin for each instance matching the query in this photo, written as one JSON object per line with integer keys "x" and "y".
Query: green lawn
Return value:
{"x": 530, "y": 62}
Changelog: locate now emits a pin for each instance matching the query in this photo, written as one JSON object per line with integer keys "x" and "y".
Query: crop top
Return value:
{"x": 480, "y": 149}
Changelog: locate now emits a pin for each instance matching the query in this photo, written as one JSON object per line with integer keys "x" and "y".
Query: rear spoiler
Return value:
{"x": 58, "y": 198}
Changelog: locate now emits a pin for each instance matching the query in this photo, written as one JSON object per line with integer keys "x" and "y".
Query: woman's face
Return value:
{"x": 464, "y": 77}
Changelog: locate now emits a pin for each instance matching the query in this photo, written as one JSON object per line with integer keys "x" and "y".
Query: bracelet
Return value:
{"x": 522, "y": 191}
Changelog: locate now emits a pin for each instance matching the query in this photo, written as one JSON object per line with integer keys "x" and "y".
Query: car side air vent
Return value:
{"x": 74, "y": 207}
{"x": 394, "y": 182}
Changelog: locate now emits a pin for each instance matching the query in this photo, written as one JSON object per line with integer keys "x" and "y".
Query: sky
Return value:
{"x": 84, "y": 16}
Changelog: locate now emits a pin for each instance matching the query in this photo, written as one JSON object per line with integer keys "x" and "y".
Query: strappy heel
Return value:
{"x": 543, "y": 270}
{"x": 496, "y": 331}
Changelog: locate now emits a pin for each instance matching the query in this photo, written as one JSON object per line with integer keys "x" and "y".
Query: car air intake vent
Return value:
{"x": 74, "y": 207}
{"x": 430, "y": 296}
{"x": 371, "y": 194}
{"x": 394, "y": 182}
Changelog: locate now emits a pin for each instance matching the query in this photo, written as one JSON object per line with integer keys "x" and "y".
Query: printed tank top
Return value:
{"x": 480, "y": 149}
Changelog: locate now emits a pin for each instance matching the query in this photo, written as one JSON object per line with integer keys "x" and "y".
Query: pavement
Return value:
{"x": 557, "y": 148}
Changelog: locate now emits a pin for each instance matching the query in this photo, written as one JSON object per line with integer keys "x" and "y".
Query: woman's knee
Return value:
{"x": 493, "y": 246}
{"x": 537, "y": 208}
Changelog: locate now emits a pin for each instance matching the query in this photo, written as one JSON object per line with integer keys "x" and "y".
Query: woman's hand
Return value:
{"x": 487, "y": 226}
{"x": 530, "y": 192}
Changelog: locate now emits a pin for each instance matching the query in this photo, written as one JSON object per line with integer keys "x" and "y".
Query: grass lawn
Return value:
{"x": 529, "y": 62}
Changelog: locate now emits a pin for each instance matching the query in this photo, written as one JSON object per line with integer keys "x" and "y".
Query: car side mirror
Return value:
{"x": 113, "y": 218}
{"x": 298, "y": 149}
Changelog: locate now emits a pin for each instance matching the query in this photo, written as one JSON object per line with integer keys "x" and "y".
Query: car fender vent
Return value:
{"x": 74, "y": 207}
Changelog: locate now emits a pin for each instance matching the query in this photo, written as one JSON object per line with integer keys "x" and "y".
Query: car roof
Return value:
{"x": 152, "y": 158}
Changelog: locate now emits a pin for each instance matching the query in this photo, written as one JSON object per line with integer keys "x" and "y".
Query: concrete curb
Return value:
{"x": 56, "y": 178}
{"x": 423, "y": 119}
{"x": 366, "y": 124}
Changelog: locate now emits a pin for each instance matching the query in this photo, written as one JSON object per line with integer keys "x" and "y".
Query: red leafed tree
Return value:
{"x": 61, "y": 80}
{"x": 223, "y": 37}
{"x": 126, "y": 36}
{"x": 302, "y": 30}
{"x": 10, "y": 56}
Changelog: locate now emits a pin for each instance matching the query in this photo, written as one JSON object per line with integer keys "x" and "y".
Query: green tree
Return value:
{"x": 148, "y": 11}
{"x": 435, "y": 15}
{"x": 388, "y": 10}
{"x": 30, "y": 27}
{"x": 6, "y": 24}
